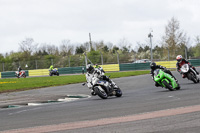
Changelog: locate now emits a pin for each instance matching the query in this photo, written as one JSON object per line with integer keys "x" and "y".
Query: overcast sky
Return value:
{"x": 51, "y": 21}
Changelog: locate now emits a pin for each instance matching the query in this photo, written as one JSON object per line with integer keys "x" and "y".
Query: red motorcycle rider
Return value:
{"x": 180, "y": 62}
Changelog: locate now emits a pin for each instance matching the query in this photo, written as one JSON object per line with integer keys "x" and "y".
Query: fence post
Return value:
{"x": 117, "y": 57}
{"x": 36, "y": 64}
{"x": 85, "y": 59}
{"x": 51, "y": 61}
{"x": 101, "y": 58}
{"x": 168, "y": 53}
{"x": 3, "y": 66}
{"x": 69, "y": 60}
{"x": 186, "y": 52}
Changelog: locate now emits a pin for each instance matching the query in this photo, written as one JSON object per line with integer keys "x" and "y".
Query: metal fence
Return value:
{"x": 71, "y": 61}
{"x": 59, "y": 62}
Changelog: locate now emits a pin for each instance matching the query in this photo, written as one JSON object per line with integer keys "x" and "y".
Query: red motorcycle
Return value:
{"x": 20, "y": 74}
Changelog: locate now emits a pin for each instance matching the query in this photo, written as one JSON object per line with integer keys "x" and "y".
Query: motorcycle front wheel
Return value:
{"x": 100, "y": 92}
{"x": 168, "y": 85}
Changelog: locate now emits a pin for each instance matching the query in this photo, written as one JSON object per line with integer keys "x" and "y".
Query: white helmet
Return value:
{"x": 179, "y": 58}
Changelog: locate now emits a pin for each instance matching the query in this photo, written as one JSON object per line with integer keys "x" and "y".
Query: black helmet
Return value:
{"x": 90, "y": 68}
{"x": 153, "y": 65}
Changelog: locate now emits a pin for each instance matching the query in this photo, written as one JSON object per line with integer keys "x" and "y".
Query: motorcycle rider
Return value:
{"x": 97, "y": 66}
{"x": 51, "y": 68}
{"x": 93, "y": 74}
{"x": 19, "y": 70}
{"x": 100, "y": 68}
{"x": 180, "y": 62}
{"x": 154, "y": 67}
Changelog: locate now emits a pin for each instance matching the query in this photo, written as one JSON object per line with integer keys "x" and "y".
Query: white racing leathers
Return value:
{"x": 92, "y": 78}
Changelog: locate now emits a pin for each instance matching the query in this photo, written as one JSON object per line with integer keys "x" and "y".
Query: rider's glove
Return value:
{"x": 164, "y": 68}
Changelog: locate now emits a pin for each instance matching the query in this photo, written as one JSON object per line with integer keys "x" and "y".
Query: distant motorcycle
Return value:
{"x": 189, "y": 73}
{"x": 104, "y": 89}
{"x": 165, "y": 80}
{"x": 54, "y": 72}
{"x": 20, "y": 74}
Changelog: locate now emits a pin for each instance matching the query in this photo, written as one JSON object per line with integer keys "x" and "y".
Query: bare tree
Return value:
{"x": 50, "y": 49}
{"x": 66, "y": 48}
{"x": 197, "y": 47}
{"x": 110, "y": 45}
{"x": 87, "y": 46}
{"x": 124, "y": 43}
{"x": 28, "y": 46}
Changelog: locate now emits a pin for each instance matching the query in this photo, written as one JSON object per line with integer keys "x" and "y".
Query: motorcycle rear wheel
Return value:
{"x": 118, "y": 92}
{"x": 192, "y": 77}
{"x": 179, "y": 87}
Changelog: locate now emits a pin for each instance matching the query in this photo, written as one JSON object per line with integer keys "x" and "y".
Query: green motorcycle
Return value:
{"x": 165, "y": 80}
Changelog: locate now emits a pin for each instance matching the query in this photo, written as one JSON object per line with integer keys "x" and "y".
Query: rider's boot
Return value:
{"x": 174, "y": 78}
{"x": 169, "y": 72}
{"x": 92, "y": 91}
{"x": 113, "y": 84}
{"x": 157, "y": 85}
{"x": 195, "y": 70}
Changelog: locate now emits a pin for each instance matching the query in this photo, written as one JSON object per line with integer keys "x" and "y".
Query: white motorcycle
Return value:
{"x": 104, "y": 89}
{"x": 20, "y": 74}
{"x": 190, "y": 73}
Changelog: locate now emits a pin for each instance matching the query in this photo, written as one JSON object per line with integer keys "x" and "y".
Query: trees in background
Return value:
{"x": 173, "y": 42}
{"x": 196, "y": 48}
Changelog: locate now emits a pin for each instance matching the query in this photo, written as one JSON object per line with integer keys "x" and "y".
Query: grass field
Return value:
{"x": 14, "y": 84}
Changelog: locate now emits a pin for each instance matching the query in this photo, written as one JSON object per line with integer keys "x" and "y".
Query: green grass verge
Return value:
{"x": 14, "y": 84}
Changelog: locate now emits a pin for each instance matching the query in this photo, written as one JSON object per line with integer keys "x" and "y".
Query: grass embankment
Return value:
{"x": 14, "y": 84}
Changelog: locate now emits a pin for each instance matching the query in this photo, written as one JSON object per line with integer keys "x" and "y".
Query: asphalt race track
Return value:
{"x": 143, "y": 108}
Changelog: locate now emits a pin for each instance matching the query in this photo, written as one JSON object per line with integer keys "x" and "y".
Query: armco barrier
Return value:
{"x": 10, "y": 74}
{"x": 134, "y": 66}
{"x": 195, "y": 62}
{"x": 70, "y": 70}
{"x": 39, "y": 72}
{"x": 110, "y": 68}
{"x": 172, "y": 64}
{"x": 7, "y": 74}
{"x": 167, "y": 64}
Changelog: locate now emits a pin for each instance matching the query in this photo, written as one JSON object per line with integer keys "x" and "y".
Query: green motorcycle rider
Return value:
{"x": 154, "y": 67}
{"x": 51, "y": 68}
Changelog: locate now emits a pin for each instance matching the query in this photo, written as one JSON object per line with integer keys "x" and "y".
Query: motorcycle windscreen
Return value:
{"x": 185, "y": 68}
